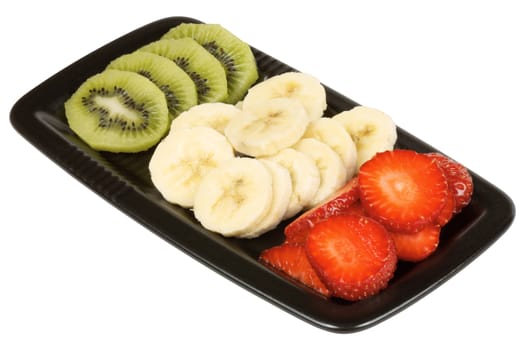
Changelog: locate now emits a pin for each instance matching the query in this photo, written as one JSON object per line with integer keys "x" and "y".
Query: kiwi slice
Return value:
{"x": 235, "y": 55}
{"x": 176, "y": 85}
{"x": 204, "y": 69}
{"x": 118, "y": 111}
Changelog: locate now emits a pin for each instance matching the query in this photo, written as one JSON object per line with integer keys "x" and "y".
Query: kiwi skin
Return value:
{"x": 234, "y": 54}
{"x": 118, "y": 111}
{"x": 177, "y": 86}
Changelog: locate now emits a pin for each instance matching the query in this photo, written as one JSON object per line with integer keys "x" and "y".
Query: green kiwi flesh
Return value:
{"x": 118, "y": 111}
{"x": 203, "y": 68}
{"x": 177, "y": 86}
{"x": 235, "y": 55}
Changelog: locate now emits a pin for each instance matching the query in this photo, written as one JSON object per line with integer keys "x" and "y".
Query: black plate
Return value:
{"x": 124, "y": 181}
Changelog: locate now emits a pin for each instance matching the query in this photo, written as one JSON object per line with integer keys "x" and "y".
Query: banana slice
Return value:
{"x": 303, "y": 87}
{"x": 282, "y": 192}
{"x": 333, "y": 134}
{"x": 330, "y": 165}
{"x": 180, "y": 161}
{"x": 305, "y": 178}
{"x": 267, "y": 127}
{"x": 214, "y": 114}
{"x": 371, "y": 130}
{"x": 233, "y": 198}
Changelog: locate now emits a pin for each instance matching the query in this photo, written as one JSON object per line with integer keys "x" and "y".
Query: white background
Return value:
{"x": 76, "y": 273}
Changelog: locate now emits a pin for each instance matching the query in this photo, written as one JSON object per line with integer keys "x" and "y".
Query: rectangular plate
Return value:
{"x": 123, "y": 180}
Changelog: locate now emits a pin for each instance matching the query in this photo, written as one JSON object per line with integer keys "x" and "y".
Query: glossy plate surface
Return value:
{"x": 124, "y": 181}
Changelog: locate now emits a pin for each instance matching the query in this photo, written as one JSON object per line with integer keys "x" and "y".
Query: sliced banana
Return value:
{"x": 303, "y": 87}
{"x": 330, "y": 165}
{"x": 180, "y": 161}
{"x": 333, "y": 134}
{"x": 267, "y": 127}
{"x": 305, "y": 178}
{"x": 215, "y": 115}
{"x": 282, "y": 192}
{"x": 371, "y": 130}
{"x": 234, "y": 197}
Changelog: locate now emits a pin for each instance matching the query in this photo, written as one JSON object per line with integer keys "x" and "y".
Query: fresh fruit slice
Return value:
{"x": 183, "y": 158}
{"x": 339, "y": 203}
{"x": 353, "y": 255}
{"x": 282, "y": 192}
{"x": 268, "y": 127}
{"x": 402, "y": 189}
{"x": 330, "y": 165}
{"x": 356, "y": 208}
{"x": 234, "y": 197}
{"x": 213, "y": 114}
{"x": 447, "y": 212}
{"x": 118, "y": 111}
{"x": 305, "y": 178}
{"x": 416, "y": 246}
{"x": 235, "y": 55}
{"x": 371, "y": 130}
{"x": 291, "y": 259}
{"x": 204, "y": 69}
{"x": 176, "y": 85}
{"x": 332, "y": 133}
{"x": 458, "y": 178}
{"x": 303, "y": 87}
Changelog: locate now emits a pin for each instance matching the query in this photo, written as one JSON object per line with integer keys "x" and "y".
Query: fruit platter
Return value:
{"x": 321, "y": 206}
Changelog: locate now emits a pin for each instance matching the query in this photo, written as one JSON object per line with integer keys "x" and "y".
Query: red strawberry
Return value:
{"x": 292, "y": 260}
{"x": 353, "y": 255}
{"x": 338, "y": 203}
{"x": 355, "y": 208}
{"x": 417, "y": 246}
{"x": 458, "y": 178}
{"x": 447, "y": 212}
{"x": 402, "y": 189}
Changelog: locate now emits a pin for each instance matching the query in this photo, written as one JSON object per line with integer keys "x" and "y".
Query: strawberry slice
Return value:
{"x": 458, "y": 177}
{"x": 448, "y": 210}
{"x": 353, "y": 255}
{"x": 340, "y": 202}
{"x": 292, "y": 260}
{"x": 355, "y": 208}
{"x": 402, "y": 189}
{"x": 417, "y": 246}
